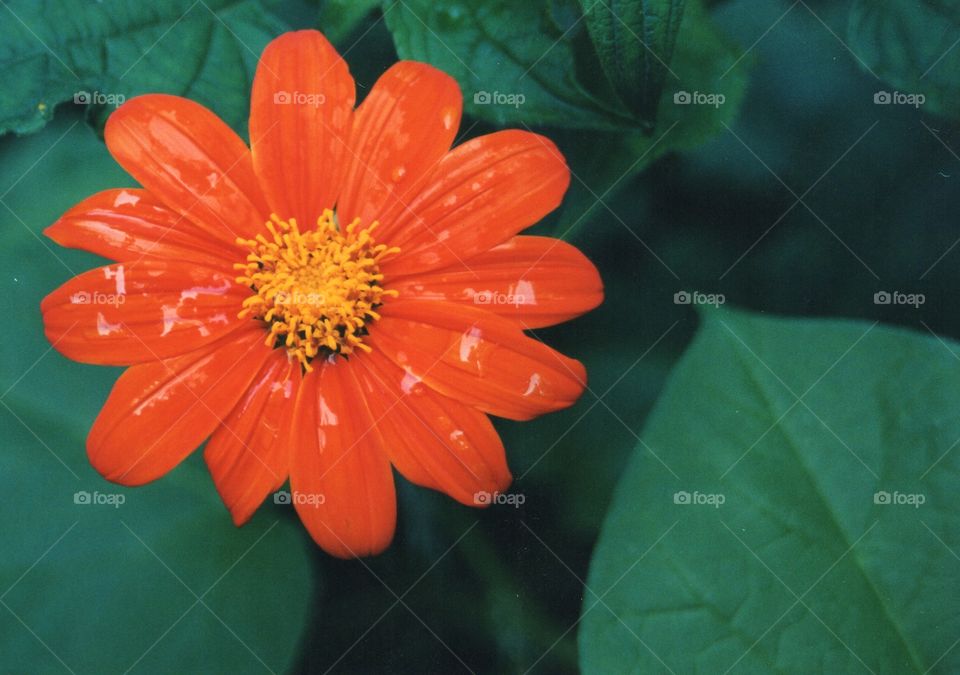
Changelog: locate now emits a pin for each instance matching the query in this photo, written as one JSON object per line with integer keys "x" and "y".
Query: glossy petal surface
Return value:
{"x": 301, "y": 117}
{"x": 478, "y": 196}
{"x": 340, "y": 477}
{"x": 192, "y": 161}
{"x": 127, "y": 224}
{"x": 404, "y": 127}
{"x": 133, "y": 313}
{"x": 536, "y": 281}
{"x": 159, "y": 412}
{"x": 247, "y": 454}
{"x": 433, "y": 440}
{"x": 478, "y": 358}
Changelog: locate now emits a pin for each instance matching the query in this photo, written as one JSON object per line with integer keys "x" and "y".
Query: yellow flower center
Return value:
{"x": 316, "y": 291}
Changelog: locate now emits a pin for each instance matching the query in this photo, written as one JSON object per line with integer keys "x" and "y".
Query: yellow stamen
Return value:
{"x": 317, "y": 291}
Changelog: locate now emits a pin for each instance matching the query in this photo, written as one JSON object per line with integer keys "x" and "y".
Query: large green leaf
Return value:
{"x": 634, "y": 40}
{"x": 92, "y": 586}
{"x": 912, "y": 45}
{"x": 512, "y": 60}
{"x": 792, "y": 537}
{"x": 99, "y": 53}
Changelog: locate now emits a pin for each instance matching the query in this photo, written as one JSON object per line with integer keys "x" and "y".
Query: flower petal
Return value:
{"x": 301, "y": 114}
{"x": 433, "y": 440}
{"x": 479, "y": 195}
{"x": 404, "y": 127}
{"x": 340, "y": 477}
{"x": 477, "y": 357}
{"x": 130, "y": 313}
{"x": 127, "y": 224}
{"x": 159, "y": 412}
{"x": 246, "y": 455}
{"x": 192, "y": 161}
{"x": 536, "y": 281}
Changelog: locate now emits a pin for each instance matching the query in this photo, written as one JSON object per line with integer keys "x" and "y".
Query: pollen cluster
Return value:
{"x": 316, "y": 291}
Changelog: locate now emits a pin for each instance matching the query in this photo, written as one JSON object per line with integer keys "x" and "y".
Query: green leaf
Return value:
{"x": 712, "y": 72}
{"x": 634, "y": 40}
{"x": 792, "y": 508}
{"x": 100, "y": 53}
{"x": 95, "y": 586}
{"x": 339, "y": 18}
{"x": 911, "y": 44}
{"x": 513, "y": 61}
{"x": 704, "y": 63}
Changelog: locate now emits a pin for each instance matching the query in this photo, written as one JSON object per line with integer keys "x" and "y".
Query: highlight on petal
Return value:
{"x": 301, "y": 116}
{"x": 191, "y": 160}
{"x": 478, "y": 196}
{"x": 477, "y": 357}
{"x": 132, "y": 313}
{"x": 127, "y": 224}
{"x": 247, "y": 454}
{"x": 341, "y": 482}
{"x": 433, "y": 440}
{"x": 159, "y": 412}
{"x": 536, "y": 281}
{"x": 404, "y": 126}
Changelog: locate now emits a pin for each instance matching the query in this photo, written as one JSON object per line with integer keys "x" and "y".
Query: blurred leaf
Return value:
{"x": 100, "y": 53}
{"x": 114, "y": 582}
{"x": 766, "y": 544}
{"x": 339, "y": 18}
{"x": 634, "y": 40}
{"x": 512, "y": 60}
{"x": 910, "y": 44}
{"x": 107, "y": 592}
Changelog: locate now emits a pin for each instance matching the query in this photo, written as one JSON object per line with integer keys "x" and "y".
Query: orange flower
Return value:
{"x": 347, "y": 294}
